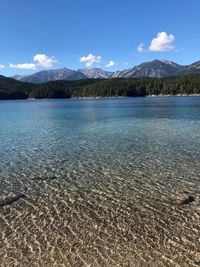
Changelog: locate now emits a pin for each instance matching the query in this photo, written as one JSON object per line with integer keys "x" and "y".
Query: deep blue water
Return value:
{"x": 101, "y": 152}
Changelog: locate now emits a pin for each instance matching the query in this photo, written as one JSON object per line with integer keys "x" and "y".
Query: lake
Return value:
{"x": 101, "y": 182}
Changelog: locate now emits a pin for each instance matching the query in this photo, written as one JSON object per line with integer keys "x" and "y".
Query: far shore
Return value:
{"x": 111, "y": 97}
{"x": 114, "y": 97}
{"x": 107, "y": 97}
{"x": 172, "y": 95}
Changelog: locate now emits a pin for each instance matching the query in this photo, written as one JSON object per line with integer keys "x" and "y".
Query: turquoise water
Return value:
{"x": 102, "y": 182}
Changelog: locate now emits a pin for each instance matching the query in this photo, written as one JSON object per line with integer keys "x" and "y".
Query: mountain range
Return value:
{"x": 153, "y": 69}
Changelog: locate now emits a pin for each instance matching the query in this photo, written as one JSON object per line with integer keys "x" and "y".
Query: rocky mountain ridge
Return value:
{"x": 153, "y": 69}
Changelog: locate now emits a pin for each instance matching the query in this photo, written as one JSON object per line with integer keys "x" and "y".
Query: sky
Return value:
{"x": 110, "y": 34}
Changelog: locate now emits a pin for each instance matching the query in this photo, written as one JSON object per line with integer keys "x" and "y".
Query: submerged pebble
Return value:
{"x": 10, "y": 199}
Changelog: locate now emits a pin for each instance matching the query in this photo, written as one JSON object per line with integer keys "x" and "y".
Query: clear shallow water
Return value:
{"x": 103, "y": 181}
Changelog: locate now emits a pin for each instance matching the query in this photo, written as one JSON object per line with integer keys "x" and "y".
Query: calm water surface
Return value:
{"x": 100, "y": 182}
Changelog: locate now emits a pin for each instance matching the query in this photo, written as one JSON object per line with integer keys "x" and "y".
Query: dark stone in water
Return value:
{"x": 188, "y": 200}
{"x": 44, "y": 178}
{"x": 8, "y": 200}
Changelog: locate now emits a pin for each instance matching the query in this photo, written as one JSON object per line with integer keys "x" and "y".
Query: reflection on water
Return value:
{"x": 100, "y": 182}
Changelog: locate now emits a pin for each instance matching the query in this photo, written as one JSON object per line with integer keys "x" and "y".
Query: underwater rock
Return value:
{"x": 187, "y": 200}
{"x": 10, "y": 199}
{"x": 44, "y": 178}
{"x": 183, "y": 199}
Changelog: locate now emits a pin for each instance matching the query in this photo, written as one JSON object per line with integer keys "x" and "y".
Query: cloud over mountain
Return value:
{"x": 163, "y": 42}
{"x": 90, "y": 59}
{"x": 39, "y": 60}
{"x": 23, "y": 66}
{"x": 44, "y": 61}
{"x": 111, "y": 63}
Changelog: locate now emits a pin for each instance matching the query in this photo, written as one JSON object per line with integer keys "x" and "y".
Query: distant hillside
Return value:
{"x": 12, "y": 89}
{"x": 115, "y": 87}
{"x": 152, "y": 69}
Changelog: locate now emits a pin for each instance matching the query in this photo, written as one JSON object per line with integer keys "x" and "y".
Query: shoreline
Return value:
{"x": 172, "y": 95}
{"x": 113, "y": 97}
{"x": 101, "y": 97}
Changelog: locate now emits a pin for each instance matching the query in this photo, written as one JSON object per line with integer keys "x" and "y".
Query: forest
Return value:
{"x": 119, "y": 87}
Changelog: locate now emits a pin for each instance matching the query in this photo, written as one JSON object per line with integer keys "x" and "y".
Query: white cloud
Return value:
{"x": 39, "y": 60}
{"x": 140, "y": 48}
{"x": 111, "y": 63}
{"x": 2, "y": 66}
{"x": 44, "y": 61}
{"x": 90, "y": 59}
{"x": 24, "y": 66}
{"x": 162, "y": 42}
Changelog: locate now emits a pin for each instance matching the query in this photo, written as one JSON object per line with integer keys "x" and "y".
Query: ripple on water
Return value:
{"x": 100, "y": 185}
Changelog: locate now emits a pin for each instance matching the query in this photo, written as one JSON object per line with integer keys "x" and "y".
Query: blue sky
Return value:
{"x": 110, "y": 34}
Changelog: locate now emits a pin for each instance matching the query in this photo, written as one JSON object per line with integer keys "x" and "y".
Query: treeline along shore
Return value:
{"x": 119, "y": 87}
